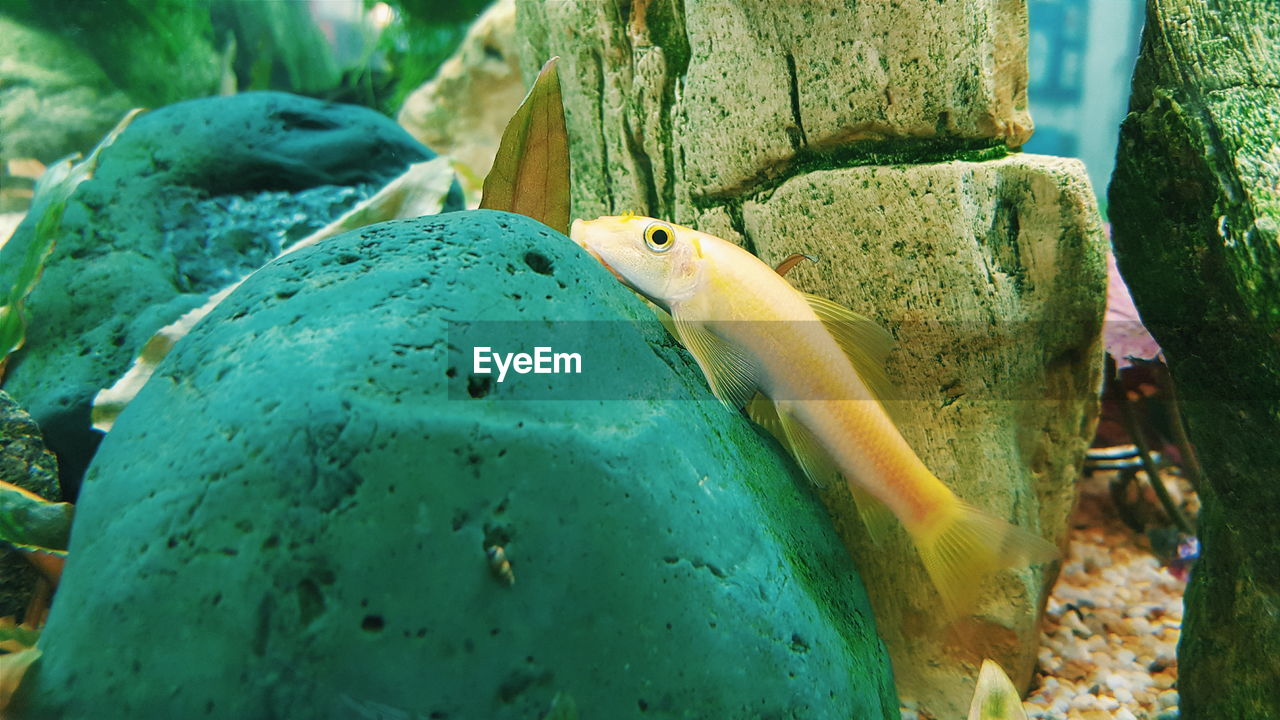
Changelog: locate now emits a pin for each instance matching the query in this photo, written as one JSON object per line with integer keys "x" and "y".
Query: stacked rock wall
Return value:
{"x": 883, "y": 142}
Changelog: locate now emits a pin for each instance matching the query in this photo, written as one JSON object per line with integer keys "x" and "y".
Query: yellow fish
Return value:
{"x": 811, "y": 372}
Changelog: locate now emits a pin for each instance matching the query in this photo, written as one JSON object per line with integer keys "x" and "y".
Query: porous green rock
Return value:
{"x": 1195, "y": 202}
{"x": 295, "y": 518}
{"x": 188, "y": 199}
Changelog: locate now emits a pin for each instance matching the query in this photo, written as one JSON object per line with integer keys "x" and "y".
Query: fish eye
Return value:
{"x": 658, "y": 236}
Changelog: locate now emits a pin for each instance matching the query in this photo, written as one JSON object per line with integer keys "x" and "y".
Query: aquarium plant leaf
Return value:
{"x": 29, "y": 521}
{"x": 995, "y": 697}
{"x": 15, "y": 637}
{"x": 1124, "y": 336}
{"x": 420, "y": 190}
{"x": 12, "y": 667}
{"x": 52, "y": 191}
{"x": 530, "y": 174}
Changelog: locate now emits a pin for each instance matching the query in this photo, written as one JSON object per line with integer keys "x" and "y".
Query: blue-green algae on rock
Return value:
{"x": 299, "y": 517}
{"x": 187, "y": 200}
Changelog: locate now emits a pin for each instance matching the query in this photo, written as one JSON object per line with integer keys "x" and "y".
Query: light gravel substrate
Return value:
{"x": 1110, "y": 634}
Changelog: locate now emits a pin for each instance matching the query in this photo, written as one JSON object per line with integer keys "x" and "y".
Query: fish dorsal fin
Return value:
{"x": 732, "y": 374}
{"x": 864, "y": 342}
{"x": 818, "y": 464}
{"x": 785, "y": 266}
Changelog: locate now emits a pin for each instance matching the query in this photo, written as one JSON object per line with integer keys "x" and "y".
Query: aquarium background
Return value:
{"x": 1080, "y": 60}
{"x": 1105, "y": 646}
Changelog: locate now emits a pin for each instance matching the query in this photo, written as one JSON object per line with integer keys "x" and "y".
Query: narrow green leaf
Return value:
{"x": 19, "y": 635}
{"x": 53, "y": 189}
{"x": 12, "y": 667}
{"x": 530, "y": 174}
{"x": 30, "y": 522}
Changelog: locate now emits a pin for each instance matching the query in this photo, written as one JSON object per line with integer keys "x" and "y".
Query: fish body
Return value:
{"x": 811, "y": 372}
{"x": 807, "y": 375}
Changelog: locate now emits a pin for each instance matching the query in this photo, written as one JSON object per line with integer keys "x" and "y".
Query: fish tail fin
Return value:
{"x": 967, "y": 545}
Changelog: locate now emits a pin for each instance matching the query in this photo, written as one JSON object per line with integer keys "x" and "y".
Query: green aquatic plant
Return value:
{"x": 17, "y": 651}
{"x": 995, "y": 697}
{"x": 530, "y": 173}
{"x": 420, "y": 37}
{"x": 36, "y": 526}
{"x": 40, "y": 529}
{"x": 52, "y": 191}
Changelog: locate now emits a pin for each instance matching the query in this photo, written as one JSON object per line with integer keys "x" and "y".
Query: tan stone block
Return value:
{"x": 735, "y": 92}
{"x": 463, "y": 110}
{"x": 992, "y": 276}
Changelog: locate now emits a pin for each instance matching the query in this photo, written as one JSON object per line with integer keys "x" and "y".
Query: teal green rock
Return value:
{"x": 300, "y": 516}
{"x": 187, "y": 200}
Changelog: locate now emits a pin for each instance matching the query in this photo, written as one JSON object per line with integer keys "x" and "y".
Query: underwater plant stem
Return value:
{"x": 1191, "y": 463}
{"x": 1144, "y": 451}
{"x": 1118, "y": 488}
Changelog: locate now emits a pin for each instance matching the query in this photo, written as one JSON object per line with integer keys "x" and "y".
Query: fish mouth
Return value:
{"x": 606, "y": 265}
{"x": 576, "y": 236}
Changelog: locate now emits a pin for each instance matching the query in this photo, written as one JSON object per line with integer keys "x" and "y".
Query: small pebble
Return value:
{"x": 1117, "y": 682}
{"x": 1167, "y": 699}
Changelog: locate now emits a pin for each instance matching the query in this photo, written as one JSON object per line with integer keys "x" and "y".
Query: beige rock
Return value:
{"x": 735, "y": 92}
{"x": 463, "y": 110}
{"x": 991, "y": 275}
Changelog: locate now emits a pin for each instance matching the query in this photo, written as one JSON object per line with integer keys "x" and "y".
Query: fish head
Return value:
{"x": 657, "y": 259}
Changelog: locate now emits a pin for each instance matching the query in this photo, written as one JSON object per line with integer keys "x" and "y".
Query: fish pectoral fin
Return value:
{"x": 731, "y": 373}
{"x": 864, "y": 342}
{"x": 812, "y": 458}
{"x": 665, "y": 318}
